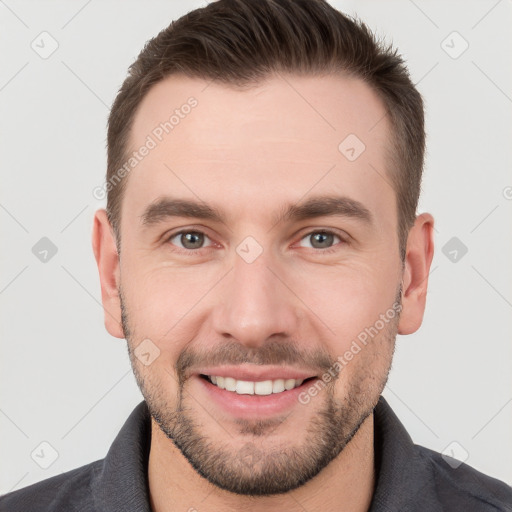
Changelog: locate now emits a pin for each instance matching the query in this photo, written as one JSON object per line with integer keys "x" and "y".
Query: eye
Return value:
{"x": 320, "y": 239}
{"x": 189, "y": 240}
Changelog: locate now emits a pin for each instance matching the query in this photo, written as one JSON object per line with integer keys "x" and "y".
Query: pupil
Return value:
{"x": 322, "y": 240}
{"x": 192, "y": 240}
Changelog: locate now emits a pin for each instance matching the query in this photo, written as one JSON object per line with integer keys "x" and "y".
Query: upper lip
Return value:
{"x": 256, "y": 373}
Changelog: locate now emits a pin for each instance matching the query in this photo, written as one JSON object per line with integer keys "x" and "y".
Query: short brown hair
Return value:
{"x": 241, "y": 42}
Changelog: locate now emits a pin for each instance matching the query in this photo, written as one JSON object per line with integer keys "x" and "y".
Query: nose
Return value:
{"x": 255, "y": 304}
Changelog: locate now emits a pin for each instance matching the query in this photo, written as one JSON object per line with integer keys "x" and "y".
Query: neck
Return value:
{"x": 346, "y": 484}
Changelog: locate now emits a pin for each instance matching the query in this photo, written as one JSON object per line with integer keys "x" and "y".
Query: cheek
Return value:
{"x": 347, "y": 299}
{"x": 159, "y": 385}
{"x": 160, "y": 296}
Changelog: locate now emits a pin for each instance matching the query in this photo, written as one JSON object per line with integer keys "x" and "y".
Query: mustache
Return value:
{"x": 272, "y": 353}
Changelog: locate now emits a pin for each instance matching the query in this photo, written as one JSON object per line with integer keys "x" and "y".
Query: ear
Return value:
{"x": 107, "y": 259}
{"x": 418, "y": 258}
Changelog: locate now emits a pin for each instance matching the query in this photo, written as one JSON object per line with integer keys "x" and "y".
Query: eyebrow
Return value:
{"x": 319, "y": 206}
{"x": 167, "y": 207}
{"x": 324, "y": 206}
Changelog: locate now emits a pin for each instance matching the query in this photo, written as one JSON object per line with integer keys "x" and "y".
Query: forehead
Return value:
{"x": 257, "y": 148}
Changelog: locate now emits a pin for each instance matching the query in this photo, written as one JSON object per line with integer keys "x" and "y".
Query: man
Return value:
{"x": 259, "y": 252}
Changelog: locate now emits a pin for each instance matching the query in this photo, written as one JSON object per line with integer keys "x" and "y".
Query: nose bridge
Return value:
{"x": 255, "y": 304}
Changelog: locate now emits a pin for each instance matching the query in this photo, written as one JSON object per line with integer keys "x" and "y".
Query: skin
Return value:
{"x": 250, "y": 153}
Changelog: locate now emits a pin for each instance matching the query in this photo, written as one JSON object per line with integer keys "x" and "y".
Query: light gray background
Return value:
{"x": 66, "y": 381}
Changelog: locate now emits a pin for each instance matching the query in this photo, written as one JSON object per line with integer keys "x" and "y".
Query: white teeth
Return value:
{"x": 278, "y": 386}
{"x": 265, "y": 387}
{"x": 289, "y": 384}
{"x": 229, "y": 383}
{"x": 244, "y": 387}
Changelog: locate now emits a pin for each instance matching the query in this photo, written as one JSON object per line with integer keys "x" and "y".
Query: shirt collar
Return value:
{"x": 123, "y": 482}
{"x": 403, "y": 478}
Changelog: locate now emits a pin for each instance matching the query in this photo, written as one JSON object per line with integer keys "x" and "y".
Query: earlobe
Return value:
{"x": 418, "y": 259}
{"x": 107, "y": 259}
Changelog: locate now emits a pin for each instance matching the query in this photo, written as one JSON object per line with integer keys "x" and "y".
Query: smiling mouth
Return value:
{"x": 261, "y": 388}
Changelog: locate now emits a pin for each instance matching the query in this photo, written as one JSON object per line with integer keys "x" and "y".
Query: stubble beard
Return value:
{"x": 259, "y": 468}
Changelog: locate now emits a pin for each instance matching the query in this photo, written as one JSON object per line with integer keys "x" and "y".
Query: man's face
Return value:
{"x": 255, "y": 295}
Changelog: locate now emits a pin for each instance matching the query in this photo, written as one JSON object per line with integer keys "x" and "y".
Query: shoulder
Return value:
{"x": 69, "y": 491}
{"x": 461, "y": 487}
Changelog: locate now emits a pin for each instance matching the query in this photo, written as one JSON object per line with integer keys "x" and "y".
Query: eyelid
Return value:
{"x": 342, "y": 235}
{"x": 174, "y": 235}
{"x": 168, "y": 236}
{"x": 308, "y": 230}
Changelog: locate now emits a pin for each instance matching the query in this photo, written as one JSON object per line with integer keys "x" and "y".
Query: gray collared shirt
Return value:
{"x": 409, "y": 478}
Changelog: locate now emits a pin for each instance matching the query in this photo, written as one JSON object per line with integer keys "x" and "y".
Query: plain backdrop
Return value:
{"x": 66, "y": 382}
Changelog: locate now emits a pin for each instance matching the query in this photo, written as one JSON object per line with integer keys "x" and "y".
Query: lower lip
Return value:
{"x": 254, "y": 406}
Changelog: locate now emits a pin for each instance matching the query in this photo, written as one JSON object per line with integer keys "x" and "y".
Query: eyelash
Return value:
{"x": 328, "y": 250}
